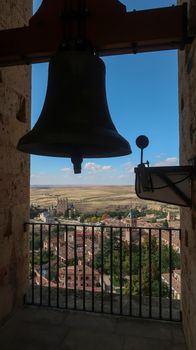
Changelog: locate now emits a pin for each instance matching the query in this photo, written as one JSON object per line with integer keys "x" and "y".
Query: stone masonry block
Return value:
{"x": 15, "y": 104}
{"x": 187, "y": 90}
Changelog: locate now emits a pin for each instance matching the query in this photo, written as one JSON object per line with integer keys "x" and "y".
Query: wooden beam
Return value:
{"x": 142, "y": 31}
{"x": 110, "y": 29}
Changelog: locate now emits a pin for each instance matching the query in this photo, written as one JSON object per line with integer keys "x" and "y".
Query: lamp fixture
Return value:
{"x": 167, "y": 184}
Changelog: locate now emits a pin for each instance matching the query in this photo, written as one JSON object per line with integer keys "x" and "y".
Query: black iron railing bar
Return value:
{"x": 57, "y": 265}
{"x": 150, "y": 273}
{"x": 75, "y": 268}
{"x": 49, "y": 265}
{"x": 84, "y": 270}
{"x": 160, "y": 274}
{"x": 32, "y": 262}
{"x": 140, "y": 272}
{"x": 66, "y": 267}
{"x": 170, "y": 274}
{"x": 98, "y": 226}
{"x": 41, "y": 263}
{"x": 111, "y": 270}
{"x": 130, "y": 271}
{"x": 102, "y": 267}
{"x": 121, "y": 272}
{"x": 93, "y": 267}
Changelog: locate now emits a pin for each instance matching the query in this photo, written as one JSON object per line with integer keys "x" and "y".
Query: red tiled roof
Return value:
{"x": 176, "y": 284}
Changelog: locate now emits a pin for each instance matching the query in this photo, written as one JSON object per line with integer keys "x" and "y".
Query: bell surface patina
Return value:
{"x": 75, "y": 121}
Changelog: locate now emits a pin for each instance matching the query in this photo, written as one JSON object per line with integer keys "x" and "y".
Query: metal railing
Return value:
{"x": 130, "y": 271}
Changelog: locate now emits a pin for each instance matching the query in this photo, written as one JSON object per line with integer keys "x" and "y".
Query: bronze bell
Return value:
{"x": 75, "y": 121}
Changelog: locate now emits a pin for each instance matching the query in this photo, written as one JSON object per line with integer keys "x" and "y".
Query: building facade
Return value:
{"x": 62, "y": 206}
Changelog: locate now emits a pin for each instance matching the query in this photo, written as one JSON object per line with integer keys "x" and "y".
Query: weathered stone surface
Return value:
{"x": 45, "y": 329}
{"x": 15, "y": 91}
{"x": 187, "y": 109}
{"x": 15, "y": 13}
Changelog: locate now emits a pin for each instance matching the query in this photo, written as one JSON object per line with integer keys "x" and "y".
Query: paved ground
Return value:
{"x": 42, "y": 329}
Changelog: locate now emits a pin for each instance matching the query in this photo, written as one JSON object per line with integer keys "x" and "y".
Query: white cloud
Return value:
{"x": 66, "y": 170}
{"x": 86, "y": 178}
{"x": 129, "y": 167}
{"x": 106, "y": 167}
{"x": 170, "y": 161}
{"x": 38, "y": 175}
{"x": 122, "y": 176}
{"x": 93, "y": 173}
{"x": 160, "y": 155}
{"x": 96, "y": 167}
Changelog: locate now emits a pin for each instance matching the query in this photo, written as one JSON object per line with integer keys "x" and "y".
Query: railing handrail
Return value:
{"x": 105, "y": 225}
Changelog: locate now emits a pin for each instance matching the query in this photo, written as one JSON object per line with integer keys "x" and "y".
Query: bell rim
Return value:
{"x": 41, "y": 149}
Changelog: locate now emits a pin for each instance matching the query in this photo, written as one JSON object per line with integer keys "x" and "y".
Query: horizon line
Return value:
{"x": 81, "y": 185}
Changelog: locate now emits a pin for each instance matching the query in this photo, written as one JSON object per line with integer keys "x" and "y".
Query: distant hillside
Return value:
{"x": 90, "y": 198}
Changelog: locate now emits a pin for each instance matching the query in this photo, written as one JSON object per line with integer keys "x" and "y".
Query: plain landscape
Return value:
{"x": 90, "y": 198}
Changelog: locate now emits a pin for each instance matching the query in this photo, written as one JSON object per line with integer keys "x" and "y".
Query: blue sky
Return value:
{"x": 142, "y": 94}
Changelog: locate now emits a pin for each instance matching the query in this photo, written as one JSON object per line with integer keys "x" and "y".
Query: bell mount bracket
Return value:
{"x": 106, "y": 25}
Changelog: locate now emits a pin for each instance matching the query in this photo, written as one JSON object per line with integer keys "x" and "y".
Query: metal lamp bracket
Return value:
{"x": 168, "y": 184}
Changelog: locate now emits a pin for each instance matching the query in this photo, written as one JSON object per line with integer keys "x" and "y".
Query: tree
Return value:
{"x": 148, "y": 269}
{"x": 36, "y": 244}
{"x": 93, "y": 219}
{"x": 104, "y": 217}
{"x": 165, "y": 224}
{"x": 82, "y": 219}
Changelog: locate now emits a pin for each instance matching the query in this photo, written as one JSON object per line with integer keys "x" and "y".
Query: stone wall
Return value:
{"x": 15, "y": 90}
{"x": 187, "y": 109}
